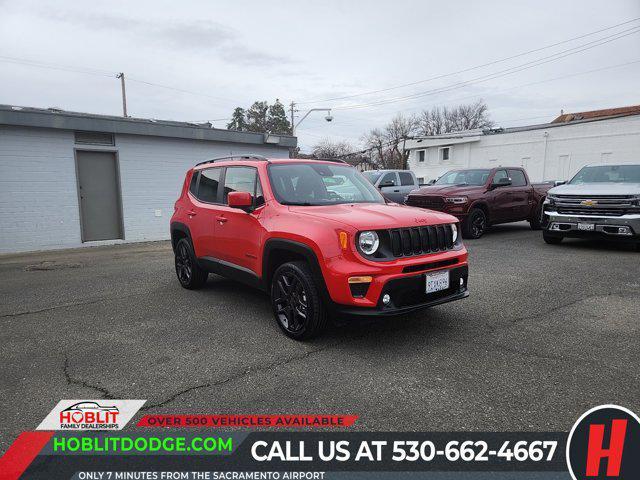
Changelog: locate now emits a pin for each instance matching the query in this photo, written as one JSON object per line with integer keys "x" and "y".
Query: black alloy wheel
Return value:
{"x": 475, "y": 224}
{"x": 189, "y": 273}
{"x": 291, "y": 302}
{"x": 183, "y": 264}
{"x": 296, "y": 301}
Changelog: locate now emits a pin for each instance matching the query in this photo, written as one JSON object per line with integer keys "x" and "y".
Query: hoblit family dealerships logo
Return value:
{"x": 91, "y": 414}
{"x": 605, "y": 443}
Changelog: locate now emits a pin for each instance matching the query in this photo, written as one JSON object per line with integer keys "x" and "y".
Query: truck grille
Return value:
{"x": 406, "y": 242}
{"x": 424, "y": 201}
{"x": 608, "y": 206}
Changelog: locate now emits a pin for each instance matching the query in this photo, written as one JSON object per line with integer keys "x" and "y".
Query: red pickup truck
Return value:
{"x": 481, "y": 197}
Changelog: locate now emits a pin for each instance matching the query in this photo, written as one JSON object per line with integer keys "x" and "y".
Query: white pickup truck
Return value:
{"x": 600, "y": 201}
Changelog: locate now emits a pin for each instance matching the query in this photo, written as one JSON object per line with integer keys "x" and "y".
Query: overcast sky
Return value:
{"x": 230, "y": 54}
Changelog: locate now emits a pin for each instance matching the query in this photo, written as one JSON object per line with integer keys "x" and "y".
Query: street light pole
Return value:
{"x": 294, "y": 125}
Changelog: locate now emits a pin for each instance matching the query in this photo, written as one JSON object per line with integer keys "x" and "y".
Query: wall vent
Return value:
{"x": 95, "y": 138}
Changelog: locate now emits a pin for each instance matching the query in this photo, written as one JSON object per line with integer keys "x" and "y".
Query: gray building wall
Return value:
{"x": 38, "y": 191}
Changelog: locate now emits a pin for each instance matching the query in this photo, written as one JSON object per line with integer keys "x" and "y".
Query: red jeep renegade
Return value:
{"x": 318, "y": 237}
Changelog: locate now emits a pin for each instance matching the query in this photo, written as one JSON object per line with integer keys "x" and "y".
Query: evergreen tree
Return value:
{"x": 238, "y": 121}
{"x": 257, "y": 117}
{"x": 277, "y": 121}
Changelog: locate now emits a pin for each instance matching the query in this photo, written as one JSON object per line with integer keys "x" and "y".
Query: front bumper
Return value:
{"x": 622, "y": 227}
{"x": 408, "y": 294}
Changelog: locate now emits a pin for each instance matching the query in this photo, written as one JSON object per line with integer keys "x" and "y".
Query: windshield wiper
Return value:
{"x": 300, "y": 204}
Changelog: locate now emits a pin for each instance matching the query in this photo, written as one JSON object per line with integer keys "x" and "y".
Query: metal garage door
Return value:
{"x": 99, "y": 192}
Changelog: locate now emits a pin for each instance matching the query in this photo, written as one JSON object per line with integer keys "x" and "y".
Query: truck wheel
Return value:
{"x": 189, "y": 273}
{"x": 475, "y": 224}
{"x": 550, "y": 238}
{"x": 536, "y": 221}
{"x": 296, "y": 301}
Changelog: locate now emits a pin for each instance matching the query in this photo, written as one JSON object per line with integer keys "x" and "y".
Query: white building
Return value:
{"x": 552, "y": 151}
{"x": 70, "y": 179}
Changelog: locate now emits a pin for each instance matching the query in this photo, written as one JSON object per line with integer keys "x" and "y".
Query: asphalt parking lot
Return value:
{"x": 548, "y": 332}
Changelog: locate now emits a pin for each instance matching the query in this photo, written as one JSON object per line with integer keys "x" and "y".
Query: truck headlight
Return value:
{"x": 454, "y": 232}
{"x": 456, "y": 200}
{"x": 368, "y": 242}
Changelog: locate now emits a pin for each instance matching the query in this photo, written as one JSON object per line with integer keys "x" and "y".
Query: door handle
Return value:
{"x": 396, "y": 191}
{"x": 221, "y": 219}
{"x": 192, "y": 213}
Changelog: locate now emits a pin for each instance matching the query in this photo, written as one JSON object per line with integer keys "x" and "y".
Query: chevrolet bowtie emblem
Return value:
{"x": 588, "y": 203}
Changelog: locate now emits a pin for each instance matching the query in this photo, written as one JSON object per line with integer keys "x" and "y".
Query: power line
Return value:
{"x": 102, "y": 73}
{"x": 437, "y": 77}
{"x": 503, "y": 73}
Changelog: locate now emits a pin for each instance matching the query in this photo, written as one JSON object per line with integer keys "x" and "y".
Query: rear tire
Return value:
{"x": 475, "y": 224}
{"x": 296, "y": 301}
{"x": 550, "y": 238}
{"x": 536, "y": 221}
{"x": 189, "y": 273}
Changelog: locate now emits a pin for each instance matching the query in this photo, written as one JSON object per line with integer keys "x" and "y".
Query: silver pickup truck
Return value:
{"x": 600, "y": 200}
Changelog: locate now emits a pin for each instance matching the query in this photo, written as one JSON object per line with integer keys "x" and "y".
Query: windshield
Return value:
{"x": 607, "y": 174}
{"x": 321, "y": 184}
{"x": 464, "y": 177}
{"x": 372, "y": 176}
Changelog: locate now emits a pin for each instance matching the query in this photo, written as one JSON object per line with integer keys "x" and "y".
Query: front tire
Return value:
{"x": 296, "y": 301}
{"x": 475, "y": 224}
{"x": 550, "y": 238}
{"x": 189, "y": 273}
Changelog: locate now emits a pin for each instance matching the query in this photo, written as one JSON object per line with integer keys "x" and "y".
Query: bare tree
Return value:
{"x": 326, "y": 148}
{"x": 387, "y": 144}
{"x": 440, "y": 120}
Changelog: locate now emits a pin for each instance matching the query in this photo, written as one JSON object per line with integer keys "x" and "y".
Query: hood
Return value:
{"x": 609, "y": 188}
{"x": 374, "y": 216}
{"x": 446, "y": 190}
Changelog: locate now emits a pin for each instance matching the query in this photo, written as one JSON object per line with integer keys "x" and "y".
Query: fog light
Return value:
{"x": 555, "y": 226}
{"x": 461, "y": 282}
{"x": 386, "y": 299}
{"x": 624, "y": 231}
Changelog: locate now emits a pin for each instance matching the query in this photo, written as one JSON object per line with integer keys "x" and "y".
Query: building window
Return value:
{"x": 445, "y": 154}
{"x": 95, "y": 138}
{"x": 421, "y": 155}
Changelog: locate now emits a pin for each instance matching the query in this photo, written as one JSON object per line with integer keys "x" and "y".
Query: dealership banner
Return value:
{"x": 603, "y": 443}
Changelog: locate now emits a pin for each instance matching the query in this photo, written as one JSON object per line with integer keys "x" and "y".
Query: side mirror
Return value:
{"x": 503, "y": 182}
{"x": 559, "y": 182}
{"x": 241, "y": 200}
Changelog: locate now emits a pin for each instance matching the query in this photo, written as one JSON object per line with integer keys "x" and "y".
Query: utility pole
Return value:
{"x": 124, "y": 94}
{"x": 292, "y": 110}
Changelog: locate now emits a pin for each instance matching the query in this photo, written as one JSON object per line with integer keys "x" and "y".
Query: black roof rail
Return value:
{"x": 232, "y": 157}
{"x": 335, "y": 160}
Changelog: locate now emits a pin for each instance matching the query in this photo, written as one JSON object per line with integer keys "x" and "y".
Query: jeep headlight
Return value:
{"x": 454, "y": 232}
{"x": 368, "y": 242}
{"x": 456, "y": 200}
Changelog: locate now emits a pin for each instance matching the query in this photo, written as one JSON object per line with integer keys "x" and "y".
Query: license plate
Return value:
{"x": 586, "y": 226}
{"x": 437, "y": 281}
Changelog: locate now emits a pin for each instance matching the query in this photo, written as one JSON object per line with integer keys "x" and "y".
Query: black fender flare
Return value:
{"x": 299, "y": 248}
{"x": 179, "y": 227}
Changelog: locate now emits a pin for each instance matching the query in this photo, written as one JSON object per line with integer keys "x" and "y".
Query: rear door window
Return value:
{"x": 208, "y": 185}
{"x": 405, "y": 178}
{"x": 517, "y": 178}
